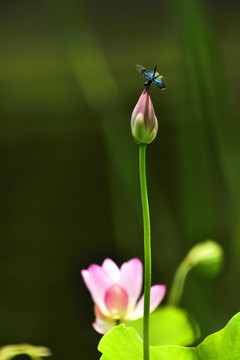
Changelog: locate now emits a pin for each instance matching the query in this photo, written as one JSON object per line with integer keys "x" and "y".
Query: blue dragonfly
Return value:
{"x": 151, "y": 76}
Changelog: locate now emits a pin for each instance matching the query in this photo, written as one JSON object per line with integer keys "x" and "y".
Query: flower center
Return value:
{"x": 116, "y": 300}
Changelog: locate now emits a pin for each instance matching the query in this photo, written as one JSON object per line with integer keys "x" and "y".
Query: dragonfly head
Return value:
{"x": 147, "y": 84}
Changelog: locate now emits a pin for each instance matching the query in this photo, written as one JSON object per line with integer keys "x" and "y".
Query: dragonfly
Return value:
{"x": 152, "y": 76}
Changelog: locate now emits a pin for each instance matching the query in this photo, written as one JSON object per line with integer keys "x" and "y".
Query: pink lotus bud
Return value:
{"x": 116, "y": 300}
{"x": 144, "y": 123}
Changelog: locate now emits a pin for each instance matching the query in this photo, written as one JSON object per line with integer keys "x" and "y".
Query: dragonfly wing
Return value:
{"x": 148, "y": 75}
{"x": 139, "y": 68}
{"x": 159, "y": 81}
{"x": 144, "y": 72}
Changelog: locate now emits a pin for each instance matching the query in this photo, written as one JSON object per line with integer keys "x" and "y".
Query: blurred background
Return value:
{"x": 69, "y": 167}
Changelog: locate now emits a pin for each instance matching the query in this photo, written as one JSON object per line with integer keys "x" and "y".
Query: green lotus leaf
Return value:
{"x": 123, "y": 343}
{"x": 169, "y": 326}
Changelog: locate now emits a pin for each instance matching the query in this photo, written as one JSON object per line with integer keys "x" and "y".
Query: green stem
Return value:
{"x": 147, "y": 249}
{"x": 178, "y": 283}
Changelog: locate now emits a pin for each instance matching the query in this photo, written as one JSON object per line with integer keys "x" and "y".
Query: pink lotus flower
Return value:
{"x": 115, "y": 293}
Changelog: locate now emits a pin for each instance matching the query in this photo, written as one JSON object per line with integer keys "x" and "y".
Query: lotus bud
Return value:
{"x": 144, "y": 123}
{"x": 207, "y": 257}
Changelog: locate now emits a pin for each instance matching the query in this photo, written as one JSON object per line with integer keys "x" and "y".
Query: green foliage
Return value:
{"x": 123, "y": 343}
{"x": 169, "y": 326}
{"x": 34, "y": 352}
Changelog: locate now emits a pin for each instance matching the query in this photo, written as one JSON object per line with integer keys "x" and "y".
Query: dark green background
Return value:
{"x": 68, "y": 170}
